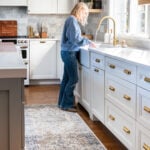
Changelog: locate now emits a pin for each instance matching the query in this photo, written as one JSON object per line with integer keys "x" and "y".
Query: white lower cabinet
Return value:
{"x": 121, "y": 93}
{"x": 60, "y": 64}
{"x": 86, "y": 88}
{"x": 97, "y": 93}
{"x": 143, "y": 107}
{"x": 119, "y": 97}
{"x": 78, "y": 89}
{"x": 43, "y": 59}
{"x": 120, "y": 124}
{"x": 142, "y": 138}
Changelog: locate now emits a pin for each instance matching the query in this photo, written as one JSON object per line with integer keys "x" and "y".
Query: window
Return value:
{"x": 131, "y": 18}
{"x": 143, "y": 17}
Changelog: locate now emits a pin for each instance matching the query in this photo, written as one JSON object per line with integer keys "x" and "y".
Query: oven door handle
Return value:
{"x": 22, "y": 47}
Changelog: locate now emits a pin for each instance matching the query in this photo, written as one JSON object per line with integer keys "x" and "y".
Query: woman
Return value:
{"x": 70, "y": 45}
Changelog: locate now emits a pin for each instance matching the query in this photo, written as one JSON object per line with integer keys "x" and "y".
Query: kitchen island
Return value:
{"x": 12, "y": 74}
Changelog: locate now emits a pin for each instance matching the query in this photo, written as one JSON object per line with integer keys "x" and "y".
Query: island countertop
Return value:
{"x": 11, "y": 63}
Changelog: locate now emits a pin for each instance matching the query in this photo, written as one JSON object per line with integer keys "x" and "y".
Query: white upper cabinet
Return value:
{"x": 50, "y": 6}
{"x": 42, "y": 7}
{"x": 65, "y": 6}
{"x": 13, "y": 2}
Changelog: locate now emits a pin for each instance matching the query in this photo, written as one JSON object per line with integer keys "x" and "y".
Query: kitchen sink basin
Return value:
{"x": 104, "y": 45}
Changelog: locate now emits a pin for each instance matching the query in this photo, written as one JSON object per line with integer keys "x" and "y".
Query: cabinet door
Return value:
{"x": 13, "y": 2}
{"x": 97, "y": 93}
{"x": 42, "y": 59}
{"x": 85, "y": 79}
{"x": 11, "y": 114}
{"x": 142, "y": 138}
{"x": 143, "y": 107}
{"x": 60, "y": 64}
{"x": 77, "y": 90}
{"x": 42, "y": 7}
{"x": 120, "y": 124}
{"x": 65, "y": 6}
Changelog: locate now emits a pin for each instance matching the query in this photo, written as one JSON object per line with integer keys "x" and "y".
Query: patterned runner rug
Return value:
{"x": 49, "y": 128}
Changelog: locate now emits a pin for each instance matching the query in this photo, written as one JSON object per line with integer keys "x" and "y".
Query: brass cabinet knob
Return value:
{"x": 112, "y": 66}
{"x": 146, "y": 147}
{"x": 147, "y": 79}
{"x": 112, "y": 117}
{"x": 97, "y": 60}
{"x": 125, "y": 129}
{"x": 127, "y": 97}
{"x": 147, "y": 109}
{"x": 96, "y": 70}
{"x": 126, "y": 71}
{"x": 111, "y": 88}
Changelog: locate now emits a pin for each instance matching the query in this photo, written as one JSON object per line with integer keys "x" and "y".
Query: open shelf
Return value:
{"x": 95, "y": 10}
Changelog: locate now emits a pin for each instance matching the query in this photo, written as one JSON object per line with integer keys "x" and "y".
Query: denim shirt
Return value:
{"x": 71, "y": 36}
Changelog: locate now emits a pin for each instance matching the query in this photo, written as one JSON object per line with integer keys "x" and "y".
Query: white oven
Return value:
{"x": 23, "y": 48}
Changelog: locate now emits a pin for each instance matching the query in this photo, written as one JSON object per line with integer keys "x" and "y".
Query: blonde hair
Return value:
{"x": 81, "y": 12}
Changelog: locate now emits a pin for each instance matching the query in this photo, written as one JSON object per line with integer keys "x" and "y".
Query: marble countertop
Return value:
{"x": 11, "y": 63}
{"x": 133, "y": 55}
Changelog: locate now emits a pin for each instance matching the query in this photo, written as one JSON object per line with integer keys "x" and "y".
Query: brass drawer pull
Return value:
{"x": 146, "y": 147}
{"x": 147, "y": 109}
{"x": 127, "y": 71}
{"x": 125, "y": 129}
{"x": 147, "y": 79}
{"x": 96, "y": 70}
{"x": 42, "y": 41}
{"x": 112, "y": 66}
{"x": 97, "y": 60}
{"x": 127, "y": 97}
{"x": 111, "y": 88}
{"x": 112, "y": 117}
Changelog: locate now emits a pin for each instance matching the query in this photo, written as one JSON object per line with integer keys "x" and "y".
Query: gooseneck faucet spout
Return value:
{"x": 114, "y": 28}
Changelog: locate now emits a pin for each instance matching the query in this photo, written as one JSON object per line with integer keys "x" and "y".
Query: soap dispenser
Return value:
{"x": 111, "y": 37}
{"x": 106, "y": 37}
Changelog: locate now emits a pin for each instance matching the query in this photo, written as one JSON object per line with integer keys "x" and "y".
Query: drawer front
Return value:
{"x": 142, "y": 138}
{"x": 143, "y": 77}
{"x": 143, "y": 107}
{"x": 121, "y": 93}
{"x": 121, "y": 69}
{"x": 120, "y": 125}
{"x": 97, "y": 60}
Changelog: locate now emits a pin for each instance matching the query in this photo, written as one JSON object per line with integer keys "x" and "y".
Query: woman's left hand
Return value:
{"x": 92, "y": 44}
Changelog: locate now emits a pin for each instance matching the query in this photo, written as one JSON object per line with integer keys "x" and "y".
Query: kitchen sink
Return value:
{"x": 104, "y": 45}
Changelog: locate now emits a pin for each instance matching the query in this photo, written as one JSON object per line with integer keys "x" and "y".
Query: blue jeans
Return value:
{"x": 70, "y": 78}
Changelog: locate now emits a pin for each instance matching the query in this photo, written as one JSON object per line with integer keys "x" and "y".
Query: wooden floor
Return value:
{"x": 48, "y": 94}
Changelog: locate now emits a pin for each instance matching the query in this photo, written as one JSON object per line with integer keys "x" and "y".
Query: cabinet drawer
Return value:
{"x": 143, "y": 107}
{"x": 121, "y": 93}
{"x": 121, "y": 69}
{"x": 143, "y": 77}
{"x": 142, "y": 138}
{"x": 97, "y": 60}
{"x": 120, "y": 125}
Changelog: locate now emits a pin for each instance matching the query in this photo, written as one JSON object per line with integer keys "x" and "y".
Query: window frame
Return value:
{"x": 133, "y": 8}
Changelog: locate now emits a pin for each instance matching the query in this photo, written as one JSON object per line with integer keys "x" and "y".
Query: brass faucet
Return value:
{"x": 114, "y": 30}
